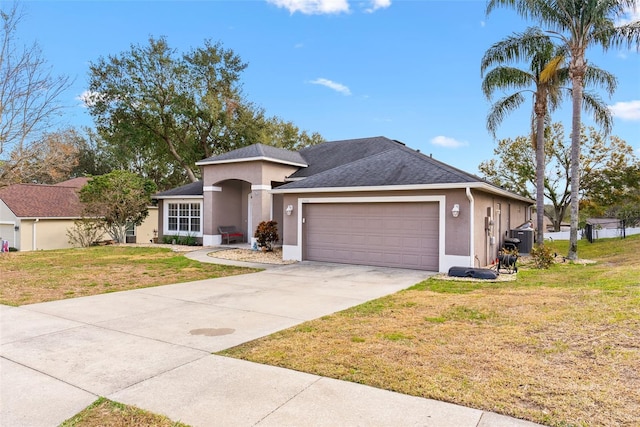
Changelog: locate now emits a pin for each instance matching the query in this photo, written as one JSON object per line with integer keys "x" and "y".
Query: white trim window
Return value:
{"x": 184, "y": 218}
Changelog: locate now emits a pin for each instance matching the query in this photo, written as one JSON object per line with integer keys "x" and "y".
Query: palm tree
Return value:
{"x": 544, "y": 80}
{"x": 579, "y": 24}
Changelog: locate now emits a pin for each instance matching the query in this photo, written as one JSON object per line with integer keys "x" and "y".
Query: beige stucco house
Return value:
{"x": 370, "y": 201}
{"x": 37, "y": 216}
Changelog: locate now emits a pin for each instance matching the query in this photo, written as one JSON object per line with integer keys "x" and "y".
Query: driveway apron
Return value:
{"x": 152, "y": 348}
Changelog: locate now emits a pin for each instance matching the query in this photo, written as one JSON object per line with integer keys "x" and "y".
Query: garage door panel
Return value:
{"x": 411, "y": 259}
{"x": 412, "y": 243}
{"x": 363, "y": 257}
{"x": 387, "y": 234}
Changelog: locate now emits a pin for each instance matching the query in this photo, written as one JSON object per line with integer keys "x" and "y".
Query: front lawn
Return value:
{"x": 31, "y": 277}
{"x": 559, "y": 347}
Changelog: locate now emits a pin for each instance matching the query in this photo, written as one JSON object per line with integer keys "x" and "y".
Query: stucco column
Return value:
{"x": 210, "y": 207}
{"x": 260, "y": 205}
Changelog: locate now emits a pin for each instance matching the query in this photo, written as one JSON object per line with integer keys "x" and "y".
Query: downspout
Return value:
{"x": 33, "y": 237}
{"x": 471, "y": 227}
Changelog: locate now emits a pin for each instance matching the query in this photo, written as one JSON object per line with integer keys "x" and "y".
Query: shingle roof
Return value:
{"x": 42, "y": 201}
{"x": 191, "y": 189}
{"x": 332, "y": 154}
{"x": 257, "y": 151}
{"x": 373, "y": 162}
{"x": 74, "y": 182}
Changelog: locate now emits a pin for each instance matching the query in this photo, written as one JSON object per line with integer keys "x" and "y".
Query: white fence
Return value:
{"x": 597, "y": 234}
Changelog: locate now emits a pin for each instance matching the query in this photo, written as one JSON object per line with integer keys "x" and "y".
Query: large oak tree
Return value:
{"x": 166, "y": 110}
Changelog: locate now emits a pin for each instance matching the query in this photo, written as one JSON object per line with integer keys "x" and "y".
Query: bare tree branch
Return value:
{"x": 28, "y": 89}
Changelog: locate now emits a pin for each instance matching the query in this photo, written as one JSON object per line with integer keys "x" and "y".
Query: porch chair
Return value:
{"x": 230, "y": 232}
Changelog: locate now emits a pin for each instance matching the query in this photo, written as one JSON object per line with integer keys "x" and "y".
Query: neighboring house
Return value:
{"x": 370, "y": 201}
{"x": 37, "y": 216}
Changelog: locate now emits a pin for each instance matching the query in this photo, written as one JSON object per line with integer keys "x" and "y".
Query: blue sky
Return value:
{"x": 408, "y": 70}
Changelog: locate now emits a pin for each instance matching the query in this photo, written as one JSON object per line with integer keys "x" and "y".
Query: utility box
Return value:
{"x": 526, "y": 239}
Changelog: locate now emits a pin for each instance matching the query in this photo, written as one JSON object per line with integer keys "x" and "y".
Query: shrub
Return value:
{"x": 85, "y": 232}
{"x": 543, "y": 257}
{"x": 188, "y": 240}
{"x": 267, "y": 235}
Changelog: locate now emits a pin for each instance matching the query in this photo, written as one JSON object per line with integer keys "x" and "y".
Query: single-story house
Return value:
{"x": 370, "y": 201}
{"x": 37, "y": 216}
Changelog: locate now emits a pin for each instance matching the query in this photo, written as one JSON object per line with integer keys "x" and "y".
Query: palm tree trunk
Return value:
{"x": 575, "y": 165}
{"x": 540, "y": 163}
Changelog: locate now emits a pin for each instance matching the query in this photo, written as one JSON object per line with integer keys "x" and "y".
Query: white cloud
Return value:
{"x": 378, "y": 4}
{"x": 319, "y": 7}
{"x": 445, "y": 141}
{"x": 313, "y": 7}
{"x": 632, "y": 15}
{"x": 483, "y": 24}
{"x": 338, "y": 87}
{"x": 626, "y": 110}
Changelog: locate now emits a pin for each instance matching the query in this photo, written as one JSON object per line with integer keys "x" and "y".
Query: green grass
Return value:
{"x": 39, "y": 276}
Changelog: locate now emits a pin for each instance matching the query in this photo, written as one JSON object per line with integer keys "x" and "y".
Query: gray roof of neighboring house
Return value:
{"x": 372, "y": 162}
{"x": 257, "y": 151}
{"x": 191, "y": 189}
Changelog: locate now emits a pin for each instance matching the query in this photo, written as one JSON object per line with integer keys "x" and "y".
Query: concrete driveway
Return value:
{"x": 152, "y": 348}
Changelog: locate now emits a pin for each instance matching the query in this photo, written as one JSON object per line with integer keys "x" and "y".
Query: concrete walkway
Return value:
{"x": 152, "y": 348}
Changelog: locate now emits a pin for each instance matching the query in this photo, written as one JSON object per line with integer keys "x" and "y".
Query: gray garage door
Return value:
{"x": 384, "y": 234}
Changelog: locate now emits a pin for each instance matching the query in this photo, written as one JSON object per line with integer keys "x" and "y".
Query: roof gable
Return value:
{"x": 257, "y": 152}
{"x": 42, "y": 201}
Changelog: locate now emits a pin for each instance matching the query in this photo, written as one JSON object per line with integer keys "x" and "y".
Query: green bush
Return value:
{"x": 188, "y": 240}
{"x": 267, "y": 235}
{"x": 543, "y": 257}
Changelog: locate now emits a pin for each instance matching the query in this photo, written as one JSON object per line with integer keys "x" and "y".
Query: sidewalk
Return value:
{"x": 152, "y": 348}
